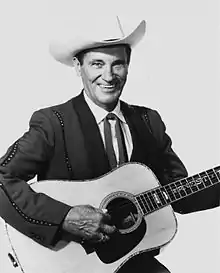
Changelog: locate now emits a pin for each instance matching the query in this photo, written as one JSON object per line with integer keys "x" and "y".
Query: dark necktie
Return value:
{"x": 109, "y": 143}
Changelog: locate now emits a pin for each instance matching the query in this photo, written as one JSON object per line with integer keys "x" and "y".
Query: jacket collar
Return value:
{"x": 100, "y": 113}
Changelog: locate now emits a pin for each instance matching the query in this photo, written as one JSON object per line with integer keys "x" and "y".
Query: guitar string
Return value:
{"x": 170, "y": 193}
{"x": 147, "y": 198}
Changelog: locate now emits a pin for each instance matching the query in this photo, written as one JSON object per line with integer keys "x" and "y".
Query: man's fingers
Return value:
{"x": 103, "y": 238}
{"x": 106, "y": 229}
{"x": 106, "y": 216}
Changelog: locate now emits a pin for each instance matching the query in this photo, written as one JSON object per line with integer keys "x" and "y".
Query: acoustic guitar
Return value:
{"x": 139, "y": 206}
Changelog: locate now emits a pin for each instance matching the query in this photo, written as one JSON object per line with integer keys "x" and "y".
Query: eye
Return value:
{"x": 97, "y": 64}
{"x": 118, "y": 66}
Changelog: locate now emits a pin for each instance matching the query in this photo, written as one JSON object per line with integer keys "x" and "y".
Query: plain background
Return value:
{"x": 175, "y": 69}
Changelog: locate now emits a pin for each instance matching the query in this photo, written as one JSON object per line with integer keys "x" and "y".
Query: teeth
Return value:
{"x": 107, "y": 86}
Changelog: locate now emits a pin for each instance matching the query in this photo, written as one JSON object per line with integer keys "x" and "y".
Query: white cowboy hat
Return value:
{"x": 64, "y": 48}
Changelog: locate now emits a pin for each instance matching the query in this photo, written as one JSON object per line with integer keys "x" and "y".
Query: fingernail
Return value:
{"x": 104, "y": 210}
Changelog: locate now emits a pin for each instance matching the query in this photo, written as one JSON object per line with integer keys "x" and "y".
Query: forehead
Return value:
{"x": 104, "y": 53}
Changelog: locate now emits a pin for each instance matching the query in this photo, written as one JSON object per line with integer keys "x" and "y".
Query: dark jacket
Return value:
{"x": 64, "y": 143}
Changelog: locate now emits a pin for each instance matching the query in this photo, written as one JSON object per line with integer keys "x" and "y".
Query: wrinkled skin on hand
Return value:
{"x": 89, "y": 224}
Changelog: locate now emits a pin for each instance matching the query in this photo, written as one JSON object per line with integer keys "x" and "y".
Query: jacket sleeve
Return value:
{"x": 173, "y": 169}
{"x": 34, "y": 214}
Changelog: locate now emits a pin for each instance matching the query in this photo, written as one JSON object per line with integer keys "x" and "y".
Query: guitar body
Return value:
{"x": 114, "y": 191}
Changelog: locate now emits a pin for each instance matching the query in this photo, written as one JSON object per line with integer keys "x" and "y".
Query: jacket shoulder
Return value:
{"x": 54, "y": 113}
{"x": 140, "y": 109}
{"x": 150, "y": 116}
{"x": 62, "y": 107}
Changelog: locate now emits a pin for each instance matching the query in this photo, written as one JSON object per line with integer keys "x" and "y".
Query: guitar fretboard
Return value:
{"x": 157, "y": 198}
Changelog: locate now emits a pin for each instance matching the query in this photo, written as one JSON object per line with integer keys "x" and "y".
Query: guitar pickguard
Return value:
{"x": 121, "y": 244}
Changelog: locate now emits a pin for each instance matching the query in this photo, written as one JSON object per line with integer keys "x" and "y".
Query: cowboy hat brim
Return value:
{"x": 65, "y": 51}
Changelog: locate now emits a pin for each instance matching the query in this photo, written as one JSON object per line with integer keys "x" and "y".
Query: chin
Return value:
{"x": 111, "y": 98}
{"x": 111, "y": 95}
{"x": 109, "y": 104}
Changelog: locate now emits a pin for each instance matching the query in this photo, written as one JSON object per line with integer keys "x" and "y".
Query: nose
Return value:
{"x": 107, "y": 74}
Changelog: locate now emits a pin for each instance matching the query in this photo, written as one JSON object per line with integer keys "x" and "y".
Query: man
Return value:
{"x": 78, "y": 140}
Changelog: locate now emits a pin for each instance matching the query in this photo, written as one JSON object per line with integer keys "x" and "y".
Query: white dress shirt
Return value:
{"x": 100, "y": 114}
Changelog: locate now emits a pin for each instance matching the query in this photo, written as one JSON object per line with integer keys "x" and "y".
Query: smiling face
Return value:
{"x": 104, "y": 73}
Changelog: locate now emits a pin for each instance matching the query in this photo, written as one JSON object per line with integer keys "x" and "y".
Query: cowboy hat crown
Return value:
{"x": 66, "y": 46}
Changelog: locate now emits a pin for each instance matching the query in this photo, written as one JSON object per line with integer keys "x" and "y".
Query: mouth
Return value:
{"x": 108, "y": 87}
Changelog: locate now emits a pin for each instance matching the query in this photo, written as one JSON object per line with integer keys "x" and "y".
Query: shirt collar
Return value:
{"x": 100, "y": 113}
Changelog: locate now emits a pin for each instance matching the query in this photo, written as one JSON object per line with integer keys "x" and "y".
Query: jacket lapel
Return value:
{"x": 97, "y": 159}
{"x": 144, "y": 144}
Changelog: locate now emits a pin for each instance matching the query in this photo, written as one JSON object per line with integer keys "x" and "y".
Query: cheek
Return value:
{"x": 123, "y": 77}
{"x": 91, "y": 76}
{"x": 123, "y": 74}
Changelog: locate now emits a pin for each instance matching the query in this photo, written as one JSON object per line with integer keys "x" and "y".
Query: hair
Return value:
{"x": 80, "y": 55}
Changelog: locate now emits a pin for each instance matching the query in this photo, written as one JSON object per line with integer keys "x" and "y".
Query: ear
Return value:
{"x": 77, "y": 66}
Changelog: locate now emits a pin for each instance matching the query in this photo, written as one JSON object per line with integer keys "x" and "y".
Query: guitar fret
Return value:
{"x": 195, "y": 183}
{"x": 175, "y": 190}
{"x": 192, "y": 184}
{"x": 180, "y": 188}
{"x": 186, "y": 186}
{"x": 143, "y": 203}
{"x": 199, "y": 182}
{"x": 154, "y": 199}
{"x": 161, "y": 196}
{"x": 140, "y": 204}
{"x": 202, "y": 180}
{"x": 213, "y": 177}
{"x": 157, "y": 198}
{"x": 170, "y": 192}
{"x": 146, "y": 203}
{"x": 150, "y": 202}
{"x": 205, "y": 179}
{"x": 217, "y": 172}
{"x": 166, "y": 194}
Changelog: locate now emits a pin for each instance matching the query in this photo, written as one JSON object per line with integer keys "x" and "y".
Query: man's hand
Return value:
{"x": 89, "y": 224}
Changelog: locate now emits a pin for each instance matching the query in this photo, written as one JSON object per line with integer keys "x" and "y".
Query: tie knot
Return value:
{"x": 111, "y": 116}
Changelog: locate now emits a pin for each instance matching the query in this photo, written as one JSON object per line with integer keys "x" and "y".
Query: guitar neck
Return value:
{"x": 157, "y": 198}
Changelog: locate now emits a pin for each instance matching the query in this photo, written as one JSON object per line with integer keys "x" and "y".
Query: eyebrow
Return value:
{"x": 96, "y": 60}
{"x": 119, "y": 62}
{"x": 116, "y": 62}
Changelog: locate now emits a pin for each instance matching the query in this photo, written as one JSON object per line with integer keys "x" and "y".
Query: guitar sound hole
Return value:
{"x": 123, "y": 213}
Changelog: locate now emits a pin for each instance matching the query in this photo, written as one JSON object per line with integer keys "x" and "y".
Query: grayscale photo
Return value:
{"x": 110, "y": 136}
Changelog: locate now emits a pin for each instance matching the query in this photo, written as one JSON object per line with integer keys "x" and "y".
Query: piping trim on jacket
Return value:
{"x": 26, "y": 217}
{"x": 66, "y": 156}
{"x": 10, "y": 155}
